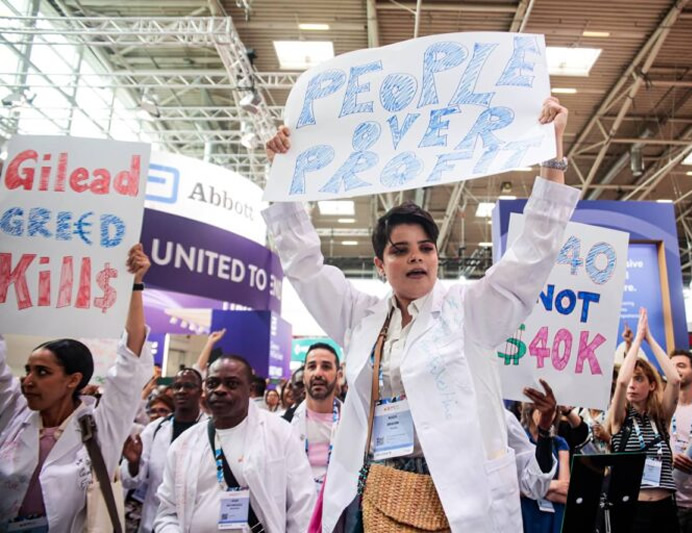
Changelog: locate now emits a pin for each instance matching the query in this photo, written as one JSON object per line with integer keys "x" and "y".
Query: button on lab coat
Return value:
{"x": 451, "y": 380}
{"x": 66, "y": 473}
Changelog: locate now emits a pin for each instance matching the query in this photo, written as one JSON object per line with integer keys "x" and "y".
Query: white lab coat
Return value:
{"x": 454, "y": 392}
{"x": 66, "y": 473}
{"x": 533, "y": 482}
{"x": 156, "y": 439}
{"x": 278, "y": 475}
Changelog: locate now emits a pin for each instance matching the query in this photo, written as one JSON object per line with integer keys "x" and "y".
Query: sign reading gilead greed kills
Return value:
{"x": 569, "y": 339}
{"x": 70, "y": 209}
{"x": 414, "y": 114}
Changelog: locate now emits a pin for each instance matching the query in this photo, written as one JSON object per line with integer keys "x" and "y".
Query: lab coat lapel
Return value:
{"x": 426, "y": 317}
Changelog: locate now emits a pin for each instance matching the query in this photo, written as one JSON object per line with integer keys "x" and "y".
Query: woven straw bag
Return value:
{"x": 395, "y": 501}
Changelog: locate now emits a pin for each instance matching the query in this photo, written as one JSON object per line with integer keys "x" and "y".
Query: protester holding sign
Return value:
{"x": 434, "y": 407}
{"x": 44, "y": 467}
{"x": 639, "y": 417}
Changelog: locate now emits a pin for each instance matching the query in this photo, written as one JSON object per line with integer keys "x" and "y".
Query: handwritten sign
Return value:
{"x": 569, "y": 339}
{"x": 70, "y": 208}
{"x": 414, "y": 114}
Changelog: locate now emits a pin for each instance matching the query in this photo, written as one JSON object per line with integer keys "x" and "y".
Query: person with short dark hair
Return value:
{"x": 681, "y": 440}
{"x": 44, "y": 466}
{"x": 241, "y": 465}
{"x": 144, "y": 455}
{"x": 316, "y": 420}
{"x": 258, "y": 386}
{"x": 297, "y": 392}
{"x": 418, "y": 359}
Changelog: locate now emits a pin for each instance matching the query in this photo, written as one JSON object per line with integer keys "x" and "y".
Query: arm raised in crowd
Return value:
{"x": 203, "y": 359}
{"x": 137, "y": 264}
{"x": 618, "y": 405}
{"x": 672, "y": 388}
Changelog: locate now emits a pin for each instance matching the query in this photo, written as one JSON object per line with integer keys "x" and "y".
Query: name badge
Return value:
{"x": 392, "y": 430}
{"x": 29, "y": 525}
{"x": 546, "y": 506}
{"x": 235, "y": 508}
{"x": 652, "y": 473}
{"x": 140, "y": 494}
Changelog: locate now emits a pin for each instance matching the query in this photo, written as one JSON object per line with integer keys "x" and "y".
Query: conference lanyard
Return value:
{"x": 218, "y": 455}
{"x": 657, "y": 436}
{"x": 335, "y": 422}
{"x": 380, "y": 379}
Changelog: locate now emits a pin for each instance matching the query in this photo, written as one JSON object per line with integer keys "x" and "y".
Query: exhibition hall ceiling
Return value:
{"x": 630, "y": 127}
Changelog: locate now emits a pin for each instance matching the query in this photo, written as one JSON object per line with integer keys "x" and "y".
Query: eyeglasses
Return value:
{"x": 183, "y": 385}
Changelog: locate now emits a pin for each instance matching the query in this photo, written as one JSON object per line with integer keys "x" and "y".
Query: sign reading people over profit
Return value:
{"x": 414, "y": 114}
{"x": 569, "y": 339}
{"x": 70, "y": 209}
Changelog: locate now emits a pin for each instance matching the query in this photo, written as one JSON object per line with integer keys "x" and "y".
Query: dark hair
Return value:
{"x": 258, "y": 385}
{"x": 685, "y": 353}
{"x": 301, "y": 368}
{"x": 406, "y": 213}
{"x": 323, "y": 346}
{"x": 189, "y": 369}
{"x": 73, "y": 356}
{"x": 162, "y": 398}
{"x": 249, "y": 374}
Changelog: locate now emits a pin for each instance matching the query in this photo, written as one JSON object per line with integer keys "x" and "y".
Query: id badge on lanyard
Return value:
{"x": 29, "y": 525}
{"x": 235, "y": 510}
{"x": 392, "y": 430}
{"x": 652, "y": 473}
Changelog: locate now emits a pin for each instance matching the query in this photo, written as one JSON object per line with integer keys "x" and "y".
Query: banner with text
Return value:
{"x": 196, "y": 258}
{"x": 569, "y": 339}
{"x": 70, "y": 209}
{"x": 427, "y": 111}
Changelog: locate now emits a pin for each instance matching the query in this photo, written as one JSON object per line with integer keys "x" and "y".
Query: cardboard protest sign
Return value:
{"x": 70, "y": 209}
{"x": 569, "y": 339}
{"x": 414, "y": 114}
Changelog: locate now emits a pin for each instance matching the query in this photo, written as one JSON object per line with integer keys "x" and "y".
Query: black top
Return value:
{"x": 180, "y": 427}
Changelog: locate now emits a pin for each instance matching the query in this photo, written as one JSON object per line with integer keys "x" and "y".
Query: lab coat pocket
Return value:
{"x": 504, "y": 494}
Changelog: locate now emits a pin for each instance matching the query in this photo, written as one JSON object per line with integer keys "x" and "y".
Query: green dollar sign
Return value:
{"x": 521, "y": 349}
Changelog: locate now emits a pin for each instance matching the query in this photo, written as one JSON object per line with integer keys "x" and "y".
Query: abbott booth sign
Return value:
{"x": 193, "y": 189}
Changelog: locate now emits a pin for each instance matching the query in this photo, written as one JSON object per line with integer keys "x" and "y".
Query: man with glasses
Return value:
{"x": 241, "y": 469}
{"x": 145, "y": 454}
{"x": 297, "y": 391}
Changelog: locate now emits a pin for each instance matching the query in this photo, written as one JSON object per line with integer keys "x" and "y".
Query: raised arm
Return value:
{"x": 137, "y": 264}
{"x": 203, "y": 359}
{"x": 618, "y": 405}
{"x": 672, "y": 389}
{"x": 331, "y": 299}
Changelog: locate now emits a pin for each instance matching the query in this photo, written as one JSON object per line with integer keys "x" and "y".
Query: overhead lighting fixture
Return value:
{"x": 485, "y": 209}
{"x": 664, "y": 201}
{"x": 313, "y": 27}
{"x": 564, "y": 61}
{"x": 485, "y": 244}
{"x": 248, "y": 136}
{"x": 636, "y": 160}
{"x": 506, "y": 197}
{"x": 19, "y": 98}
{"x": 563, "y": 90}
{"x": 336, "y": 207}
{"x": 302, "y": 55}
{"x": 688, "y": 173}
{"x": 250, "y": 102}
{"x": 349, "y": 243}
{"x": 688, "y": 159}
{"x": 345, "y": 220}
{"x": 588, "y": 33}
{"x": 522, "y": 169}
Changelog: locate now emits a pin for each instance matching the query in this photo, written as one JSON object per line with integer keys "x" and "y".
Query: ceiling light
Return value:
{"x": 485, "y": 209}
{"x": 336, "y": 207}
{"x": 523, "y": 169}
{"x": 688, "y": 159}
{"x": 688, "y": 173}
{"x": 345, "y": 220}
{"x": 349, "y": 243}
{"x": 587, "y": 33}
{"x": 19, "y": 98}
{"x": 313, "y": 27}
{"x": 664, "y": 201}
{"x": 302, "y": 55}
{"x": 563, "y": 61}
{"x": 485, "y": 244}
{"x": 506, "y": 197}
{"x": 148, "y": 105}
{"x": 563, "y": 90}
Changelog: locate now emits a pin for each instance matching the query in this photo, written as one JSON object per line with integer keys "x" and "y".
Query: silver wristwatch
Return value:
{"x": 557, "y": 164}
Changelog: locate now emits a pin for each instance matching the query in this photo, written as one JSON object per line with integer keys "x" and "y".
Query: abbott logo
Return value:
{"x": 162, "y": 184}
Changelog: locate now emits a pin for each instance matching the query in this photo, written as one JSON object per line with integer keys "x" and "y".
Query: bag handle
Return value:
{"x": 379, "y": 345}
{"x": 88, "y": 426}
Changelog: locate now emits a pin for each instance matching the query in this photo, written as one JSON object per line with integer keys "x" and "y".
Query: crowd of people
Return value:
{"x": 411, "y": 435}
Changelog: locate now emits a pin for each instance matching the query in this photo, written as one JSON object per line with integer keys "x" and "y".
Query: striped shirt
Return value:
{"x": 647, "y": 434}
